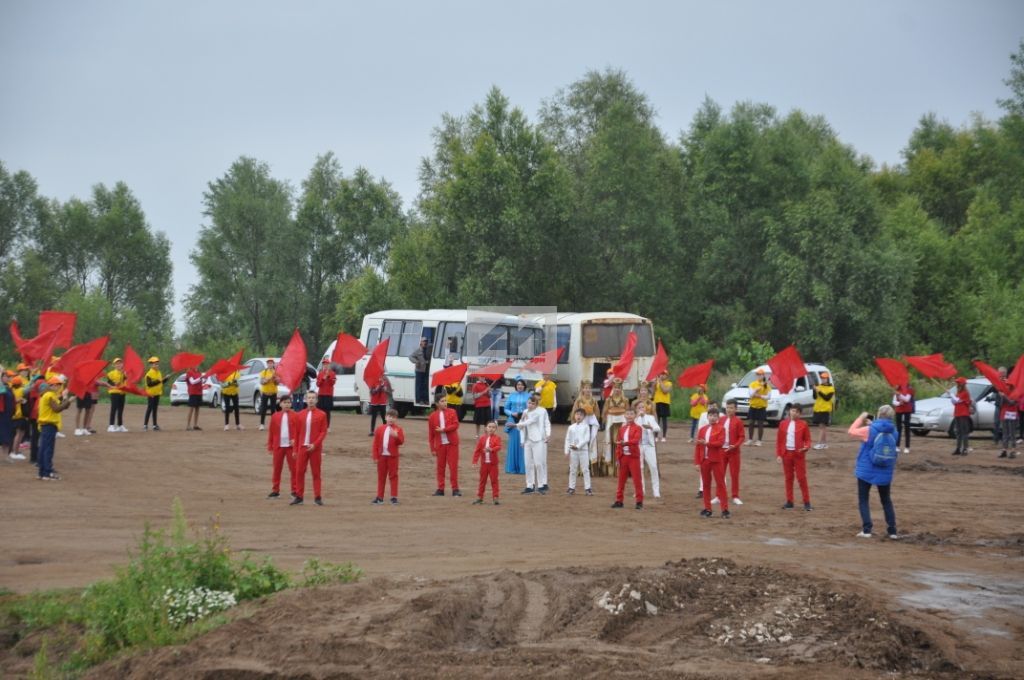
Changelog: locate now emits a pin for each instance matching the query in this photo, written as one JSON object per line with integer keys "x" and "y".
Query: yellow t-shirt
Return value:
{"x": 453, "y": 394}
{"x": 47, "y": 414}
{"x": 698, "y": 405}
{"x": 760, "y": 390}
{"x": 663, "y": 392}
{"x": 826, "y": 404}
{"x": 269, "y": 387}
{"x": 547, "y": 393}
{"x": 19, "y": 394}
{"x": 230, "y": 386}
{"x": 158, "y": 389}
{"x": 115, "y": 377}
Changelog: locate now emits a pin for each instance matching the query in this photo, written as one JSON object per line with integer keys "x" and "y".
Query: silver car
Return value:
{"x": 936, "y": 414}
{"x": 249, "y": 382}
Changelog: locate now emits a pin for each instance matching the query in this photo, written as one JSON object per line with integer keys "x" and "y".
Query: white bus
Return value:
{"x": 477, "y": 338}
{"x": 594, "y": 342}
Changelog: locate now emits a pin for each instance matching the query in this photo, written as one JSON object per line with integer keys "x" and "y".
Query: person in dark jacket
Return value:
{"x": 868, "y": 474}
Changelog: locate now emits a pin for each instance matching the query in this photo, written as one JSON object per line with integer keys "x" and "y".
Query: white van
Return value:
{"x": 802, "y": 393}
{"x": 593, "y": 343}
{"x": 345, "y": 385}
{"x": 477, "y": 338}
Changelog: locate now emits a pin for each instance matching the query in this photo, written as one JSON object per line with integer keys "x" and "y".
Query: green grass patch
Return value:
{"x": 174, "y": 587}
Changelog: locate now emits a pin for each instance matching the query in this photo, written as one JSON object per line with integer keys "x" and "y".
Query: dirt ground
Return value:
{"x": 535, "y": 585}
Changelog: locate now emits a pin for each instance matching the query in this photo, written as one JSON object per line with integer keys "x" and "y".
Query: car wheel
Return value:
{"x": 215, "y": 402}
{"x": 403, "y": 409}
{"x": 256, "y": 403}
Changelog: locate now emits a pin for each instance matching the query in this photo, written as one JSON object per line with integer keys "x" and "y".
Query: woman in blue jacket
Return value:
{"x": 869, "y": 473}
{"x": 514, "y": 407}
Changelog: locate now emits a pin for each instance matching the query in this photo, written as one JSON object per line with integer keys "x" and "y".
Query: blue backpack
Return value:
{"x": 884, "y": 450}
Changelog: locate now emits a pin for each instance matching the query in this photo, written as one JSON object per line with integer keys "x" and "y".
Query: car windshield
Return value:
{"x": 976, "y": 390}
{"x": 747, "y": 379}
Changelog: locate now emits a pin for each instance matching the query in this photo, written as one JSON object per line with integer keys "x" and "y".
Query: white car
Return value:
{"x": 345, "y": 385}
{"x": 802, "y": 393}
{"x": 211, "y": 392}
{"x": 249, "y": 382}
{"x": 936, "y": 414}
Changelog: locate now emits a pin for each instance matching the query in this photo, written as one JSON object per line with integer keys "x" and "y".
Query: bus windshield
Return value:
{"x": 608, "y": 339}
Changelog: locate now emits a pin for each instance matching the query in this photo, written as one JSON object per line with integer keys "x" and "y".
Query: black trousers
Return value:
{"x": 117, "y": 409}
{"x": 326, "y": 404}
{"x": 229, "y": 402}
{"x": 152, "y": 404}
{"x": 268, "y": 404}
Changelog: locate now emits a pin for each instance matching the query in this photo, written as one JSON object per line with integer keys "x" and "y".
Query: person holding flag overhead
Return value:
{"x": 115, "y": 384}
{"x": 325, "y": 380}
{"x": 194, "y": 381}
{"x": 154, "y": 389}
{"x": 962, "y": 406}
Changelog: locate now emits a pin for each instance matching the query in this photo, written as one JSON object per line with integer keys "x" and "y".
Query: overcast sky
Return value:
{"x": 165, "y": 96}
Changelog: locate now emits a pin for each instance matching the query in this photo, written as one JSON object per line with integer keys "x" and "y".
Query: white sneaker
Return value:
{"x": 714, "y": 501}
{"x": 86, "y": 432}
{"x": 226, "y": 428}
{"x": 61, "y": 435}
{"x": 79, "y": 432}
{"x": 122, "y": 429}
{"x": 906, "y": 450}
{"x": 111, "y": 428}
{"x": 863, "y": 535}
{"x": 737, "y": 501}
{"x": 239, "y": 428}
{"x": 689, "y": 441}
{"x": 262, "y": 428}
{"x": 16, "y": 456}
{"x": 816, "y": 447}
{"x": 894, "y": 537}
{"x": 757, "y": 443}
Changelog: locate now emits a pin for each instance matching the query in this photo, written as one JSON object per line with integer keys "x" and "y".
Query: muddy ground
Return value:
{"x": 535, "y": 585}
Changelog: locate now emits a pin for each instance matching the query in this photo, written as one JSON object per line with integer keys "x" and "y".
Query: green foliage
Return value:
{"x": 317, "y": 573}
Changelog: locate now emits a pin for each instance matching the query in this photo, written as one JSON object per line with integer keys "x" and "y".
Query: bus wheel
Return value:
{"x": 403, "y": 409}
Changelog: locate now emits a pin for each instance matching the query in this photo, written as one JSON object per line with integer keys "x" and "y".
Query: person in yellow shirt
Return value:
{"x": 824, "y": 405}
{"x": 115, "y": 384}
{"x": 268, "y": 391}
{"x": 453, "y": 395}
{"x": 757, "y": 414}
{"x": 546, "y": 389}
{"x": 663, "y": 401}
{"x": 19, "y": 421}
{"x": 54, "y": 400}
{"x": 698, "y": 407}
{"x": 229, "y": 398}
{"x": 154, "y": 390}
{"x": 643, "y": 396}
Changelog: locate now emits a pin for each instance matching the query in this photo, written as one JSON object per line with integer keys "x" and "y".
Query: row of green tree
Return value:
{"x": 749, "y": 230}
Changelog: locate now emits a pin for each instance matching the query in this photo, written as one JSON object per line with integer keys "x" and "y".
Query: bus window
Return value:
{"x": 490, "y": 341}
{"x": 392, "y": 332}
{"x": 371, "y": 339}
{"x": 410, "y": 340}
{"x": 454, "y": 334}
{"x": 527, "y": 342}
{"x": 608, "y": 339}
{"x": 562, "y": 335}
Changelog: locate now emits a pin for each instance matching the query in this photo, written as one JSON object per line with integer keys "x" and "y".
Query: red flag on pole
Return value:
{"x": 87, "y": 351}
{"x": 787, "y": 366}
{"x": 183, "y": 360}
{"x": 347, "y": 350}
{"x": 543, "y": 363}
{"x": 696, "y": 375}
{"x": 992, "y": 375}
{"x": 133, "y": 367}
{"x": 375, "y": 366}
{"x": 41, "y": 346}
{"x": 1016, "y": 378}
{"x": 659, "y": 364}
{"x": 48, "y": 320}
{"x": 84, "y": 376}
{"x": 453, "y": 374}
{"x": 624, "y": 365}
{"x": 292, "y": 367}
{"x": 932, "y": 366}
{"x": 225, "y": 367}
{"x": 492, "y": 371}
{"x": 16, "y": 335}
{"x": 894, "y": 371}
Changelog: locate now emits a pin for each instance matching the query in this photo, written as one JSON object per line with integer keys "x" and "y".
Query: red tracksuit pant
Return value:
{"x": 629, "y": 466}
{"x": 732, "y": 466}
{"x": 280, "y": 456}
{"x": 387, "y": 469}
{"x": 794, "y": 463}
{"x": 488, "y": 471}
{"x": 313, "y": 459}
{"x": 716, "y": 470}
{"x": 448, "y": 457}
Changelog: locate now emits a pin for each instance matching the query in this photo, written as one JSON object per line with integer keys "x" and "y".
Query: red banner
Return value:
{"x": 544, "y": 363}
{"x": 696, "y": 375}
{"x": 448, "y": 376}
{"x": 624, "y": 365}
{"x": 183, "y": 360}
{"x": 787, "y": 366}
{"x": 225, "y": 367}
{"x": 659, "y": 364}
{"x": 133, "y": 366}
{"x": 992, "y": 375}
{"x": 932, "y": 366}
{"x": 41, "y": 346}
{"x": 347, "y": 350}
{"x": 292, "y": 367}
{"x": 492, "y": 371}
{"x": 375, "y": 366}
{"x": 894, "y": 371}
{"x": 87, "y": 351}
{"x": 66, "y": 321}
{"x": 84, "y": 376}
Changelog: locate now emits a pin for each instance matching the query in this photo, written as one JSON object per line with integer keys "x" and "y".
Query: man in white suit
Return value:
{"x": 536, "y": 428}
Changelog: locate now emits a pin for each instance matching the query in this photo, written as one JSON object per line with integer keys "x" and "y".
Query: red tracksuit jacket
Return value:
{"x": 274, "y": 431}
{"x": 714, "y": 435}
{"x": 325, "y": 383}
{"x": 397, "y": 439}
{"x": 802, "y": 438}
{"x": 317, "y": 430}
{"x": 963, "y": 403}
{"x": 629, "y": 435}
{"x": 495, "y": 444}
{"x": 737, "y": 432}
{"x": 451, "y": 428}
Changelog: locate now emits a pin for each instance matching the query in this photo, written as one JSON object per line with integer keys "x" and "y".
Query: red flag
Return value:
{"x": 993, "y": 376}
{"x": 134, "y": 389}
{"x": 292, "y": 367}
{"x": 183, "y": 360}
{"x": 493, "y": 371}
{"x": 543, "y": 363}
{"x": 624, "y": 365}
{"x": 347, "y": 350}
{"x": 453, "y": 374}
{"x": 375, "y": 366}
{"x": 696, "y": 375}
{"x": 16, "y": 334}
{"x": 41, "y": 346}
{"x": 659, "y": 364}
{"x": 893, "y": 370}
{"x": 87, "y": 351}
{"x": 133, "y": 368}
{"x": 225, "y": 367}
{"x": 932, "y": 366}
{"x": 49, "y": 320}
{"x": 786, "y": 367}
{"x": 84, "y": 376}
{"x": 1016, "y": 379}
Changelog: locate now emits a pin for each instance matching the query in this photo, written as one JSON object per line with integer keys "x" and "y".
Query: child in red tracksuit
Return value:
{"x": 791, "y": 446}
{"x": 386, "y": 440}
{"x": 281, "y": 439}
{"x": 486, "y": 454}
{"x": 627, "y": 453}
{"x": 709, "y": 458}
{"x": 735, "y": 435}
{"x": 443, "y": 438}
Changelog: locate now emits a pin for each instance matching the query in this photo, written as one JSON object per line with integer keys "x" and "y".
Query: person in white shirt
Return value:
{"x": 649, "y": 425}
{"x": 577, "y": 448}
{"x": 536, "y": 429}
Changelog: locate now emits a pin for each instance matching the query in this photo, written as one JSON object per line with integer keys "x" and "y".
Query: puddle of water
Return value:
{"x": 779, "y": 541}
{"x": 966, "y": 595}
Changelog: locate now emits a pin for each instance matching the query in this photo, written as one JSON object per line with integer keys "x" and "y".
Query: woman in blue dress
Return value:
{"x": 514, "y": 407}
